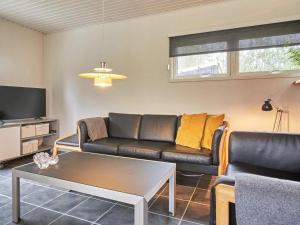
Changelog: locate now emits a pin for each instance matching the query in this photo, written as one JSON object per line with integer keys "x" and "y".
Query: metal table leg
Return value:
{"x": 15, "y": 198}
{"x": 172, "y": 193}
{"x": 141, "y": 213}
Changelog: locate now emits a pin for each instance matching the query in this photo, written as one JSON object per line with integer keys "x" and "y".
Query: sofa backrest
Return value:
{"x": 270, "y": 150}
{"x": 124, "y": 125}
{"x": 158, "y": 128}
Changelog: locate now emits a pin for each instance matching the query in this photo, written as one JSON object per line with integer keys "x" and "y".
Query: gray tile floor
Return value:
{"x": 45, "y": 205}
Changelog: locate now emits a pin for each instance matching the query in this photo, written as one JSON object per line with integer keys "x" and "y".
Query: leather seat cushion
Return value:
{"x": 158, "y": 128}
{"x": 233, "y": 169}
{"x": 178, "y": 153}
{"x": 105, "y": 145}
{"x": 143, "y": 149}
{"x": 69, "y": 141}
{"x": 124, "y": 125}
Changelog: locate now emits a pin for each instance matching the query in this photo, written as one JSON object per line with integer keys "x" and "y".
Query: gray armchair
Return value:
{"x": 260, "y": 200}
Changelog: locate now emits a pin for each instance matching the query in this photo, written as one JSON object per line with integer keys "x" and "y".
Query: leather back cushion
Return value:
{"x": 158, "y": 128}
{"x": 269, "y": 150}
{"x": 124, "y": 125}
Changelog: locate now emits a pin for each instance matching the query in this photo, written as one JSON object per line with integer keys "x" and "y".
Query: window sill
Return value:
{"x": 247, "y": 76}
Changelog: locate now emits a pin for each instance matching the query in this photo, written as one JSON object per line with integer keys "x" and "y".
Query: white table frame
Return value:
{"x": 140, "y": 202}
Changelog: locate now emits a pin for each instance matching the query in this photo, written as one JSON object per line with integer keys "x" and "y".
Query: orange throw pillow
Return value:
{"x": 191, "y": 130}
{"x": 212, "y": 123}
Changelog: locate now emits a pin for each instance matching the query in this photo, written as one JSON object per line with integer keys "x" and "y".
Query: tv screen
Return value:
{"x": 22, "y": 103}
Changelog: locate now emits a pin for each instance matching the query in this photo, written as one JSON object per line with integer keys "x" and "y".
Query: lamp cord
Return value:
{"x": 102, "y": 31}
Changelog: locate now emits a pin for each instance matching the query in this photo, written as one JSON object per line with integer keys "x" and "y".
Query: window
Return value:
{"x": 213, "y": 64}
{"x": 267, "y": 60}
{"x": 251, "y": 51}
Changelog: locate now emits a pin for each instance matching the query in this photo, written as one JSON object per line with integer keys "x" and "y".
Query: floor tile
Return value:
{"x": 150, "y": 203}
{"x": 38, "y": 216}
{"x": 25, "y": 188}
{"x": 187, "y": 181}
{"x": 161, "y": 206}
{"x": 42, "y": 196}
{"x": 125, "y": 204}
{"x": 189, "y": 223}
{"x": 67, "y": 220}
{"x": 6, "y": 172}
{"x": 35, "y": 182}
{"x": 80, "y": 193}
{"x": 118, "y": 215}
{"x": 29, "y": 188}
{"x": 162, "y": 189}
{"x": 2, "y": 178}
{"x": 4, "y": 200}
{"x": 154, "y": 219}
{"x": 65, "y": 202}
{"x": 6, "y": 212}
{"x": 5, "y": 187}
{"x": 104, "y": 199}
{"x": 182, "y": 192}
{"x": 201, "y": 196}
{"x": 205, "y": 184}
{"x": 91, "y": 209}
{"x": 197, "y": 213}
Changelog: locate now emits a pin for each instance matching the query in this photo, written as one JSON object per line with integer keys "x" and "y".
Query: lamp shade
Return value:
{"x": 267, "y": 106}
{"x": 102, "y": 76}
{"x": 103, "y": 82}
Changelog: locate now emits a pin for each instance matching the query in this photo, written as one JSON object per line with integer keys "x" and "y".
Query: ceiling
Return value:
{"x": 56, "y": 15}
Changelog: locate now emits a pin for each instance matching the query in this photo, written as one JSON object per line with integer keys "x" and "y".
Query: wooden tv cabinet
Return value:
{"x": 13, "y": 137}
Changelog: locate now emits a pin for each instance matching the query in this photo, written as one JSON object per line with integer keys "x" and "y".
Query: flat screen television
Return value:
{"x": 22, "y": 103}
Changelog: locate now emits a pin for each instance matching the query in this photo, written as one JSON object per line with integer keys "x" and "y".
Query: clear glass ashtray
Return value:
{"x": 53, "y": 159}
{"x": 42, "y": 160}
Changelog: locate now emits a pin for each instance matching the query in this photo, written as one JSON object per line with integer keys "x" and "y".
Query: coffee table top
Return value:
{"x": 121, "y": 174}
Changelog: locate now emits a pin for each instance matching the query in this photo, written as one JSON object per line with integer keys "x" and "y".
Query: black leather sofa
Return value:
{"x": 152, "y": 137}
{"x": 268, "y": 154}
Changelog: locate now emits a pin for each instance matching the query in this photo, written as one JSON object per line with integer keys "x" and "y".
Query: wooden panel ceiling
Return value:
{"x": 56, "y": 15}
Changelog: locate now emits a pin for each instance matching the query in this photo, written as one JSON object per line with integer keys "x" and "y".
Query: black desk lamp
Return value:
{"x": 267, "y": 106}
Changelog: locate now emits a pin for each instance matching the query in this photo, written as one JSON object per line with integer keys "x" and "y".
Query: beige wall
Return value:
{"x": 139, "y": 49}
{"x": 21, "y": 56}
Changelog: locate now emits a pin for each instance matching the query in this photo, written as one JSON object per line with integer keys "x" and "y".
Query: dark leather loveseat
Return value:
{"x": 274, "y": 155}
{"x": 152, "y": 137}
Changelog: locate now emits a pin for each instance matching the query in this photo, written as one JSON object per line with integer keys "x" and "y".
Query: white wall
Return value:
{"x": 139, "y": 49}
{"x": 21, "y": 56}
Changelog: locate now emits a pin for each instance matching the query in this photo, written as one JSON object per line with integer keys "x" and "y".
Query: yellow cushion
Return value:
{"x": 191, "y": 130}
{"x": 212, "y": 123}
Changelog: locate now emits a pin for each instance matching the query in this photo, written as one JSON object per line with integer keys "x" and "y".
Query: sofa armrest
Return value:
{"x": 218, "y": 141}
{"x": 222, "y": 180}
{"x": 83, "y": 132}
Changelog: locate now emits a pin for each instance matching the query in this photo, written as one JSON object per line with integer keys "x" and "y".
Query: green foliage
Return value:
{"x": 294, "y": 55}
{"x": 268, "y": 59}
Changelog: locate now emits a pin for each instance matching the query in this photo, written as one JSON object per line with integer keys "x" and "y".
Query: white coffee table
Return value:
{"x": 127, "y": 180}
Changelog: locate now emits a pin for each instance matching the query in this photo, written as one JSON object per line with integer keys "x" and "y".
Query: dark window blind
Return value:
{"x": 245, "y": 38}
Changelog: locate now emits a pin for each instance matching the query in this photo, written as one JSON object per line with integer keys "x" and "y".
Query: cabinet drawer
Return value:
{"x": 27, "y": 131}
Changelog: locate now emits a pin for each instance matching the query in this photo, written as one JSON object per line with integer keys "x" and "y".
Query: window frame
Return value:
{"x": 232, "y": 72}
